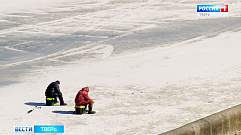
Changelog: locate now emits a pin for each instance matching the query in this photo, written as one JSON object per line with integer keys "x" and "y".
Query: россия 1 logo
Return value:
{"x": 212, "y": 10}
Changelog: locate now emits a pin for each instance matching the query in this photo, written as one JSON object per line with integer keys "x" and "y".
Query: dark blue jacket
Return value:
{"x": 52, "y": 90}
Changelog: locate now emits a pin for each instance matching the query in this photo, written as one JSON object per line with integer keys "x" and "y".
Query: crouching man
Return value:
{"x": 53, "y": 91}
{"x": 83, "y": 99}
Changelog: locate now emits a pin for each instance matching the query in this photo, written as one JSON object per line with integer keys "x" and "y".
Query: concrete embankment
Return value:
{"x": 227, "y": 122}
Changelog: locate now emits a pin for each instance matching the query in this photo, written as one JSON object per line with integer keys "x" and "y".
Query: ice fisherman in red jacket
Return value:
{"x": 82, "y": 98}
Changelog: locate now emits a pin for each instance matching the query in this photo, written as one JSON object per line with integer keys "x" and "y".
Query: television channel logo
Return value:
{"x": 39, "y": 129}
{"x": 212, "y": 10}
{"x": 48, "y": 129}
{"x": 24, "y": 129}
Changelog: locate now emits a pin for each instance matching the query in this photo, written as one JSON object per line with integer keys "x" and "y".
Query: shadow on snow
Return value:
{"x": 64, "y": 112}
{"x": 35, "y": 104}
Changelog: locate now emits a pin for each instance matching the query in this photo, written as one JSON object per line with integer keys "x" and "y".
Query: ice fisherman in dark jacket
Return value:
{"x": 53, "y": 91}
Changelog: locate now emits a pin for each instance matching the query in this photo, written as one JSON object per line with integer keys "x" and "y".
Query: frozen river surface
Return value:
{"x": 151, "y": 65}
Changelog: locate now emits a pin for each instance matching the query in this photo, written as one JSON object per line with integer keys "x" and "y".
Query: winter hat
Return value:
{"x": 85, "y": 89}
{"x": 58, "y": 81}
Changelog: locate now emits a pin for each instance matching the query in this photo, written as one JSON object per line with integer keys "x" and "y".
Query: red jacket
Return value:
{"x": 82, "y": 97}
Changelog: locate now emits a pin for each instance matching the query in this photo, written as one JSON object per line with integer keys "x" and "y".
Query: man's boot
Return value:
{"x": 55, "y": 100}
{"x": 90, "y": 110}
{"x": 63, "y": 104}
{"x": 85, "y": 110}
